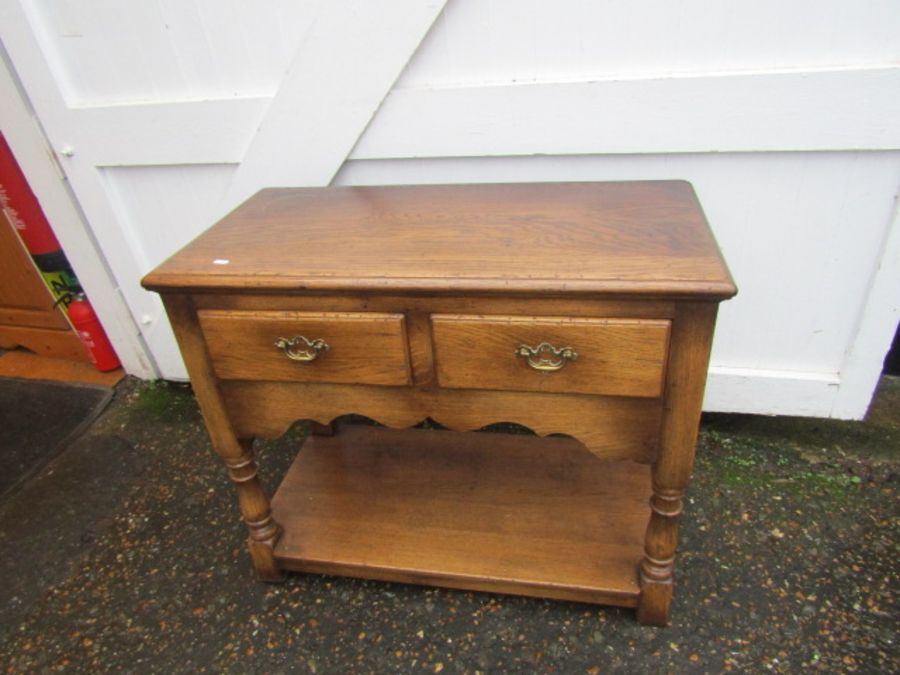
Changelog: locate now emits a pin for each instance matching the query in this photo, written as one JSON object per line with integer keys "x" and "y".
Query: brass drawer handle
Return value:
{"x": 545, "y": 357}
{"x": 308, "y": 351}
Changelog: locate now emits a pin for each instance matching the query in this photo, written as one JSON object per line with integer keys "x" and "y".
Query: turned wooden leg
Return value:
{"x": 237, "y": 454}
{"x": 691, "y": 338}
{"x": 658, "y": 565}
{"x": 316, "y": 429}
{"x": 256, "y": 512}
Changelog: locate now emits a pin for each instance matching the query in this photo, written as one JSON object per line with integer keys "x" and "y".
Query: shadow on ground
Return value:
{"x": 128, "y": 554}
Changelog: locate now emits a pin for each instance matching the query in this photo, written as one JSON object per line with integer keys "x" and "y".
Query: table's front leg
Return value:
{"x": 237, "y": 454}
{"x": 692, "y": 332}
{"x": 256, "y": 512}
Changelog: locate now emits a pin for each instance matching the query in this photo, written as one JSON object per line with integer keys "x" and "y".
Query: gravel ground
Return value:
{"x": 787, "y": 560}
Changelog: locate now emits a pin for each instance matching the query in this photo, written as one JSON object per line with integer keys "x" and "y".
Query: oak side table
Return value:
{"x": 583, "y": 311}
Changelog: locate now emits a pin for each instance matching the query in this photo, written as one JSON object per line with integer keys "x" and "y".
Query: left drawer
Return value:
{"x": 337, "y": 347}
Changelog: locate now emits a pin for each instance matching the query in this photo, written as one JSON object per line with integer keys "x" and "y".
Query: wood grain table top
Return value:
{"x": 645, "y": 238}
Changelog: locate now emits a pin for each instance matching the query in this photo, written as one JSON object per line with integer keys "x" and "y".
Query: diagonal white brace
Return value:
{"x": 346, "y": 64}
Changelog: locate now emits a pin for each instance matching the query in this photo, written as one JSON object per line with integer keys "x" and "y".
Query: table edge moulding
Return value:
{"x": 582, "y": 311}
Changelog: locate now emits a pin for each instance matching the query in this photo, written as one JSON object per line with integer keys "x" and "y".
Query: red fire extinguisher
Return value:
{"x": 92, "y": 335}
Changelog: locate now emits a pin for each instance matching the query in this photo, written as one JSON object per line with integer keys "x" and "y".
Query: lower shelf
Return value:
{"x": 480, "y": 511}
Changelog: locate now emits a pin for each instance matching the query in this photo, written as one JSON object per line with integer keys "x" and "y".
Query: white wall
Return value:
{"x": 783, "y": 115}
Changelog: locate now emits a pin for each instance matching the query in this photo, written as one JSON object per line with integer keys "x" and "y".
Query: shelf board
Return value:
{"x": 481, "y": 511}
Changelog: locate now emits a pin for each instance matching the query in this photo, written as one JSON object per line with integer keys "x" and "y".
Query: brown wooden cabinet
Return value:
{"x": 28, "y": 316}
{"x": 582, "y": 309}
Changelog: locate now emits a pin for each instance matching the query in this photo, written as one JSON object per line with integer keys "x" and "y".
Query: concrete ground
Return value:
{"x": 126, "y": 554}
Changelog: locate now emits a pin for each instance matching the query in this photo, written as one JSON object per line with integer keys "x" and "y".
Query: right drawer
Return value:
{"x": 614, "y": 357}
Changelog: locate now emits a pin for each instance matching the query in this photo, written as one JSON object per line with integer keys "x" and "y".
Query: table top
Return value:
{"x": 647, "y": 238}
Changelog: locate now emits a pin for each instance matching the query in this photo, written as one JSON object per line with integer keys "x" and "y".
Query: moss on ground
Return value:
{"x": 154, "y": 402}
{"x": 821, "y": 459}
{"x": 877, "y": 437}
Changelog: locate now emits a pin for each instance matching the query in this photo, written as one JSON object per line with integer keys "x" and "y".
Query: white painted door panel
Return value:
{"x": 106, "y": 51}
{"x": 522, "y": 41}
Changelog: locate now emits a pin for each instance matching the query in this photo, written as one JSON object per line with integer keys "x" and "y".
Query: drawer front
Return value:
{"x": 617, "y": 357}
{"x": 338, "y": 347}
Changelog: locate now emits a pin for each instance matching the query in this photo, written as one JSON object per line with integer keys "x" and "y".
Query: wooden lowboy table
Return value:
{"x": 584, "y": 309}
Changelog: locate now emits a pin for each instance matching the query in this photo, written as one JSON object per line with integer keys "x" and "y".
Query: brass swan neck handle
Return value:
{"x": 545, "y": 357}
{"x": 302, "y": 349}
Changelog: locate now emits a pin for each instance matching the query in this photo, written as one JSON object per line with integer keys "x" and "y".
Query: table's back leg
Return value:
{"x": 692, "y": 331}
{"x": 237, "y": 454}
{"x": 318, "y": 429}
